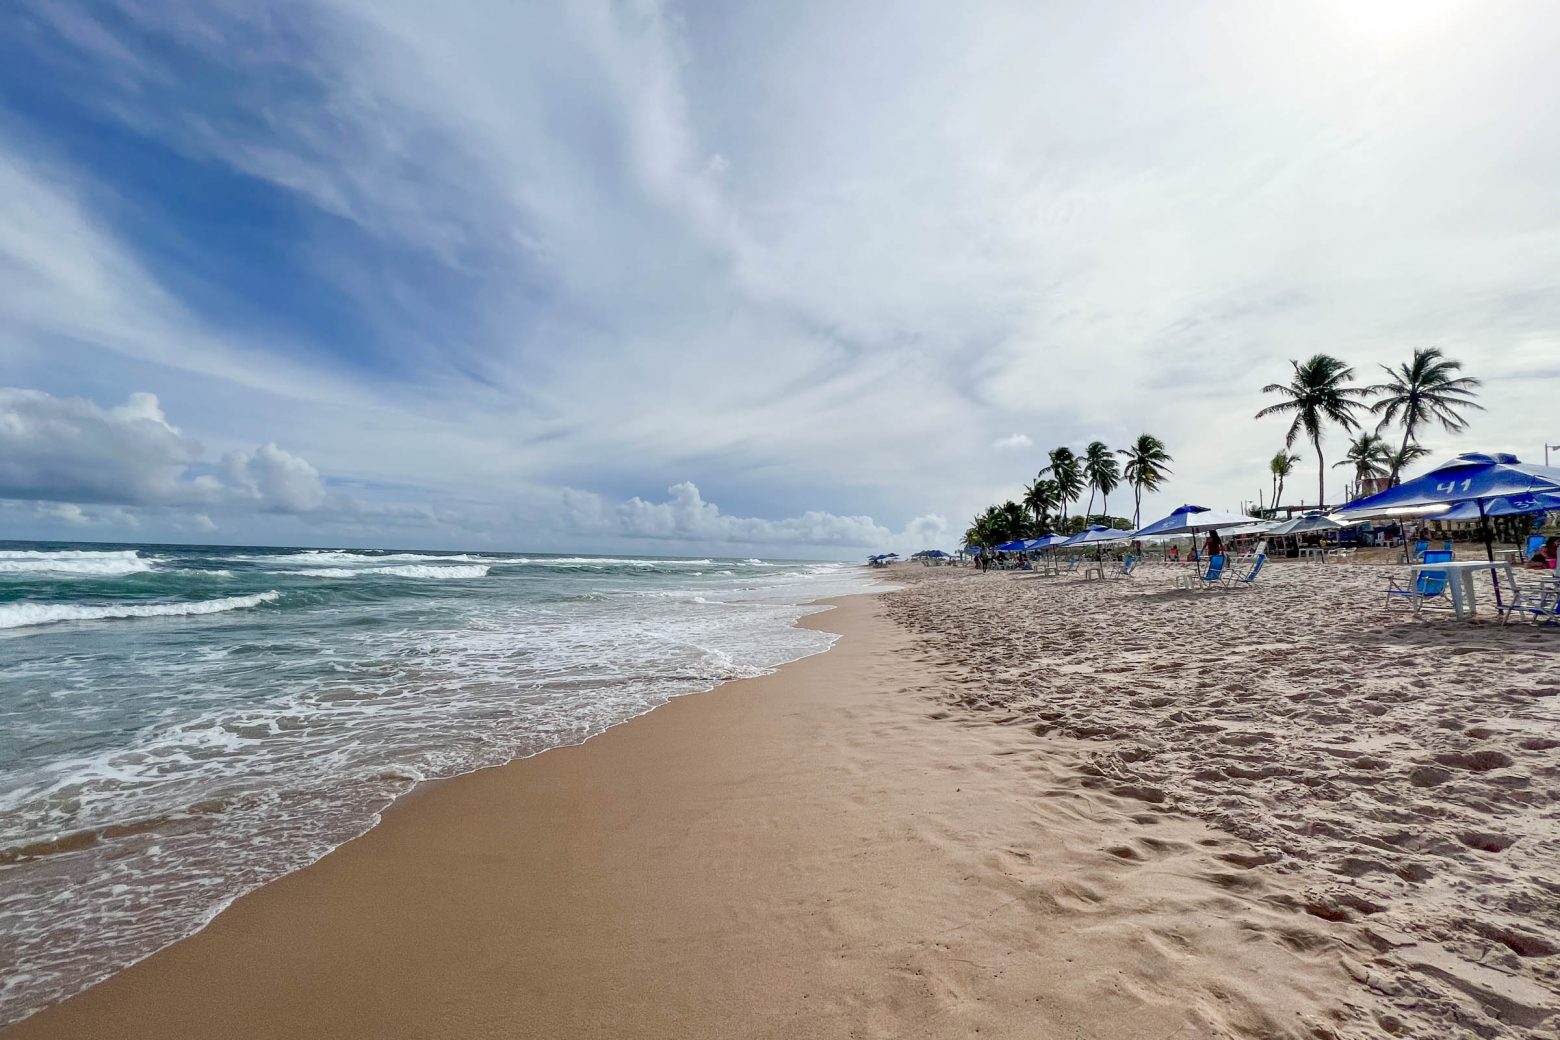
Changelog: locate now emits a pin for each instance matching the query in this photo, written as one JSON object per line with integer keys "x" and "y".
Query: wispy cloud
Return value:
{"x": 465, "y": 258}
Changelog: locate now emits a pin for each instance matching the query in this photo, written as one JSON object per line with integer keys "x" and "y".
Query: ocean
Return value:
{"x": 180, "y": 724}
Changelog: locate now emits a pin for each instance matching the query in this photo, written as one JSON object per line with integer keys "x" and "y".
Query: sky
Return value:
{"x": 805, "y": 280}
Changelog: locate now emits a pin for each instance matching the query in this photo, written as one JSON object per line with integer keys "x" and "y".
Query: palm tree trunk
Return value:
{"x": 1137, "y": 505}
{"x": 1090, "y": 507}
{"x": 1392, "y": 478}
{"x": 1321, "y": 473}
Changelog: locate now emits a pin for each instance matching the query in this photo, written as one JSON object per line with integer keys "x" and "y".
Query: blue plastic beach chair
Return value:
{"x": 1430, "y": 585}
{"x": 1127, "y": 565}
{"x": 1535, "y": 542}
{"x": 1420, "y": 547}
{"x": 1212, "y": 577}
{"x": 1250, "y": 579}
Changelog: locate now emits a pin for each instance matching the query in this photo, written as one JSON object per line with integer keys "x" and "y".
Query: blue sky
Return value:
{"x": 803, "y": 279}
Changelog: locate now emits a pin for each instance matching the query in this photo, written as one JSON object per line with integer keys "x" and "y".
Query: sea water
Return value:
{"x": 181, "y": 724}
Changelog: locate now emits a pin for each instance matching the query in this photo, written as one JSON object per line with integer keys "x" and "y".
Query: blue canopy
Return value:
{"x": 1470, "y": 477}
{"x": 1097, "y": 533}
{"x": 1017, "y": 545}
{"x": 1511, "y": 505}
{"x": 1048, "y": 541}
{"x": 938, "y": 553}
{"x": 1189, "y": 519}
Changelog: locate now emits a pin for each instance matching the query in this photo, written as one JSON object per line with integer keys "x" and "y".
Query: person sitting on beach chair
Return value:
{"x": 1545, "y": 557}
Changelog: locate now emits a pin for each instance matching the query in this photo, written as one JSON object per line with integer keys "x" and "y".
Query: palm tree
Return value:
{"x": 1068, "y": 474}
{"x": 1404, "y": 457}
{"x": 1014, "y": 521}
{"x": 1317, "y": 394}
{"x": 1146, "y": 468}
{"x": 1102, "y": 473}
{"x": 1368, "y": 454}
{"x": 1427, "y": 389}
{"x": 1042, "y": 497}
{"x": 1281, "y": 465}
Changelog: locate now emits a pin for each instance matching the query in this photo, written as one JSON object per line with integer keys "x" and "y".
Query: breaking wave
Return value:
{"x": 22, "y": 615}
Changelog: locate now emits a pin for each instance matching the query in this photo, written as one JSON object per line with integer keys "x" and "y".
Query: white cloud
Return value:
{"x": 70, "y": 451}
{"x": 693, "y": 242}
{"x": 686, "y": 517}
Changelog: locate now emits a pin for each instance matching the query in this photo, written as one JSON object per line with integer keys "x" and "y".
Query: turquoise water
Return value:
{"x": 180, "y": 724}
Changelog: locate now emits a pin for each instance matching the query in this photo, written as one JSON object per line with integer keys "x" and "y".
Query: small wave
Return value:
{"x": 411, "y": 570}
{"x": 80, "y": 563}
{"x": 318, "y": 557}
{"x": 604, "y": 561}
{"x": 22, "y": 615}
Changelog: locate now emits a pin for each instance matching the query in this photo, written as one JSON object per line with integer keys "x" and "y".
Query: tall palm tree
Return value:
{"x": 1404, "y": 457}
{"x": 1067, "y": 471}
{"x": 1146, "y": 468}
{"x": 1317, "y": 394}
{"x": 1042, "y": 497}
{"x": 1281, "y": 466}
{"x": 1013, "y": 520}
{"x": 1369, "y": 456}
{"x": 1101, "y": 471}
{"x": 1425, "y": 390}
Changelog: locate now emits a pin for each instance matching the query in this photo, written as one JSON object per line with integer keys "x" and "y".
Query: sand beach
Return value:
{"x": 1001, "y": 805}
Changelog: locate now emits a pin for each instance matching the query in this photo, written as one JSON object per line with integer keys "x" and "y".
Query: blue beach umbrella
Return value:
{"x": 1017, "y": 545}
{"x": 1049, "y": 541}
{"x": 1190, "y": 520}
{"x": 1511, "y": 505}
{"x": 1471, "y": 477}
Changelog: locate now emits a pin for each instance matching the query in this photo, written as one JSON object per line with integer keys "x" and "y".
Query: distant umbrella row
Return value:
{"x": 1472, "y": 487}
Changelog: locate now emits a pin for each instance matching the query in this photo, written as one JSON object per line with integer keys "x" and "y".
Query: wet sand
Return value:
{"x": 1000, "y": 806}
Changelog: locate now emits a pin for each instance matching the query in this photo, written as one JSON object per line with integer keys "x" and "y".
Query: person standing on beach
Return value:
{"x": 1214, "y": 546}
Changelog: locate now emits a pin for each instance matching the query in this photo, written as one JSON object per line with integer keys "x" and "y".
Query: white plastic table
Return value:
{"x": 1460, "y": 581}
{"x": 1312, "y": 552}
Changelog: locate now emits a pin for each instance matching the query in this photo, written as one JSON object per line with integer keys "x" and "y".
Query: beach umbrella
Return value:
{"x": 1260, "y": 527}
{"x": 1190, "y": 520}
{"x": 1097, "y": 534}
{"x": 1471, "y": 477}
{"x": 1017, "y": 545}
{"x": 1049, "y": 541}
{"x": 1511, "y": 505}
{"x": 1306, "y": 523}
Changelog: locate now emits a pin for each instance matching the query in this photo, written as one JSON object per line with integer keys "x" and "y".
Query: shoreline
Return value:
{"x": 812, "y": 851}
{"x": 421, "y": 787}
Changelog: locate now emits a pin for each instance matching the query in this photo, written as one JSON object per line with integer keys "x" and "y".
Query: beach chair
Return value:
{"x": 1127, "y": 565}
{"x": 1430, "y": 585}
{"x": 1072, "y": 565}
{"x": 1420, "y": 548}
{"x": 1535, "y": 542}
{"x": 1540, "y": 600}
{"x": 1232, "y": 582}
{"x": 1210, "y": 578}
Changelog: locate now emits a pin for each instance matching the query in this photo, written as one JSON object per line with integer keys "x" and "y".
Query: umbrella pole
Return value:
{"x": 1489, "y": 553}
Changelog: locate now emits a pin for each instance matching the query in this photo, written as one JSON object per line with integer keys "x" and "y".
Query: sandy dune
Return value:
{"x": 1396, "y": 778}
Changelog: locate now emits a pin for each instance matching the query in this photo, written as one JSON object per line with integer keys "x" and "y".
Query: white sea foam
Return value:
{"x": 22, "y": 615}
{"x": 410, "y": 570}
{"x": 605, "y": 561}
{"x": 73, "y": 562}
{"x": 335, "y": 557}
